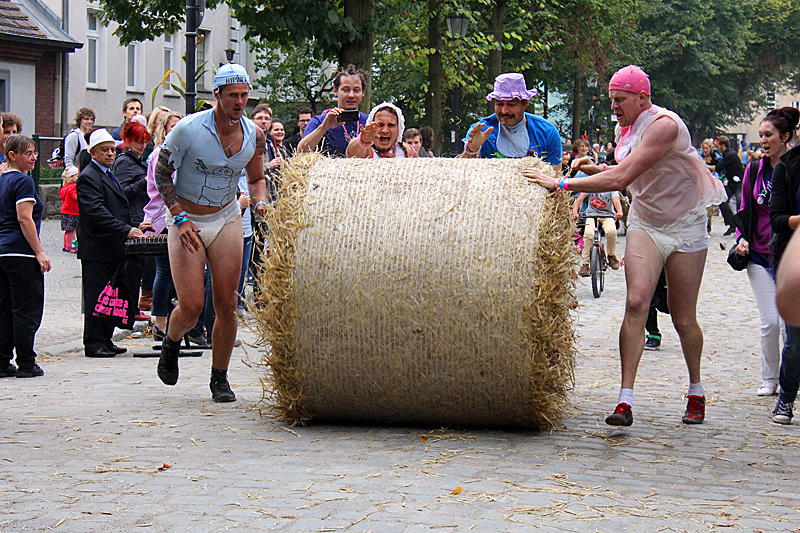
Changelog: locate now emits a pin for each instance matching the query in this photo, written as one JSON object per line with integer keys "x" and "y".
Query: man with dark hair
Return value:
{"x": 732, "y": 171}
{"x": 326, "y": 131}
{"x": 130, "y": 108}
{"x": 510, "y": 131}
{"x": 304, "y": 115}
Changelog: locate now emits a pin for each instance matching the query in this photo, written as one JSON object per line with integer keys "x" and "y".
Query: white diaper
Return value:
{"x": 211, "y": 225}
{"x": 692, "y": 238}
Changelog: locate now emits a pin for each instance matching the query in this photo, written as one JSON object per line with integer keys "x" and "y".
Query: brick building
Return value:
{"x": 33, "y": 50}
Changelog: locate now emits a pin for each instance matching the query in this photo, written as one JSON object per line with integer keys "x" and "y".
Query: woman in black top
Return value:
{"x": 784, "y": 216}
{"x": 22, "y": 261}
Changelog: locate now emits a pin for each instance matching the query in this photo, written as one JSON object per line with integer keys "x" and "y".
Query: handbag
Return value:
{"x": 744, "y": 220}
{"x": 119, "y": 300}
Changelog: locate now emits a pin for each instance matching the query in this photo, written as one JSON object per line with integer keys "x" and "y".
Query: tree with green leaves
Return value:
{"x": 294, "y": 74}
{"x": 713, "y": 62}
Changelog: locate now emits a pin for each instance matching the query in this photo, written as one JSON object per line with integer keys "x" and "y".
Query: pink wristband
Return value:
{"x": 566, "y": 183}
{"x": 364, "y": 144}
{"x": 603, "y": 166}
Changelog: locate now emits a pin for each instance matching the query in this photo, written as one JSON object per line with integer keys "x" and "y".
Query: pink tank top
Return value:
{"x": 673, "y": 194}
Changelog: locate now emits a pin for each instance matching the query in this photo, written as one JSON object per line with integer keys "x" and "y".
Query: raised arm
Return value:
{"x": 658, "y": 139}
{"x": 310, "y": 142}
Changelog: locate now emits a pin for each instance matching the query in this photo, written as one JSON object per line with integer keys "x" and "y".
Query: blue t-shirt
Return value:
{"x": 334, "y": 142}
{"x": 544, "y": 139}
{"x": 16, "y": 187}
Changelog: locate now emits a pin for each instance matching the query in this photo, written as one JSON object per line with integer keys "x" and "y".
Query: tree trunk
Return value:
{"x": 433, "y": 99}
{"x": 496, "y": 53}
{"x": 576, "y": 108}
{"x": 359, "y": 51}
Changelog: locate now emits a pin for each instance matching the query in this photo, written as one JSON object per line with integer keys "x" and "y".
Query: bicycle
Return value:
{"x": 598, "y": 260}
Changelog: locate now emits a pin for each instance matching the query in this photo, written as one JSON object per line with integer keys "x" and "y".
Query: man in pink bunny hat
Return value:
{"x": 510, "y": 131}
{"x": 671, "y": 189}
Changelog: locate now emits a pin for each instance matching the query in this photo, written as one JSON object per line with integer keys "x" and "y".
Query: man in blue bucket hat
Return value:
{"x": 510, "y": 131}
{"x": 207, "y": 152}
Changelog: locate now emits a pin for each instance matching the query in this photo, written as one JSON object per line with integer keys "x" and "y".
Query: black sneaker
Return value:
{"x": 168, "y": 362}
{"x": 653, "y": 342}
{"x": 220, "y": 388}
{"x": 8, "y": 371}
{"x": 782, "y": 414}
{"x": 30, "y": 372}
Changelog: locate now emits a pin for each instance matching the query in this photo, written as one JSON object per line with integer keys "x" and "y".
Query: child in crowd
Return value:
{"x": 69, "y": 208}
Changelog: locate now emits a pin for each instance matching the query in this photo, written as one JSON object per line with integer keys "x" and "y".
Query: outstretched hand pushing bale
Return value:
{"x": 427, "y": 291}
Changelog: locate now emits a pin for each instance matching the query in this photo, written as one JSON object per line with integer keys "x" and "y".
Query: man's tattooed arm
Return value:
{"x": 163, "y": 178}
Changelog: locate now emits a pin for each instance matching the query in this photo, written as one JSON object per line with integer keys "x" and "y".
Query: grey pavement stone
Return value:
{"x": 81, "y": 447}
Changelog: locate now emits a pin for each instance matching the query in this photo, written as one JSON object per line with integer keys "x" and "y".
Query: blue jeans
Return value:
{"x": 790, "y": 365}
{"x": 164, "y": 291}
{"x": 162, "y": 287}
{"x": 248, "y": 247}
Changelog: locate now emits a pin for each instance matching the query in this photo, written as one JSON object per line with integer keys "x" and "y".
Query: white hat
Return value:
{"x": 401, "y": 121}
{"x": 99, "y": 136}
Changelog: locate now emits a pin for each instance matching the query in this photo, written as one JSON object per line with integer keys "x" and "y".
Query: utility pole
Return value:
{"x": 194, "y": 16}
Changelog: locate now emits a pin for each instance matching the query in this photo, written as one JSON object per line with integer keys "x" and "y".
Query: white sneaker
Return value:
{"x": 768, "y": 389}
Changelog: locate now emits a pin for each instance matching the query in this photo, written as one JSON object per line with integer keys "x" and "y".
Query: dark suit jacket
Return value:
{"x": 104, "y": 219}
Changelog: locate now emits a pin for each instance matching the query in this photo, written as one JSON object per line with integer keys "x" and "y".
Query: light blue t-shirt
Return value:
{"x": 203, "y": 173}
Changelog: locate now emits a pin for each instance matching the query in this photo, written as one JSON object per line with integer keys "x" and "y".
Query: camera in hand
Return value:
{"x": 348, "y": 116}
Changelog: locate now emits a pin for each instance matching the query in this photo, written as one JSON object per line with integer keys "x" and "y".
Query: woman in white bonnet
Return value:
{"x": 382, "y": 135}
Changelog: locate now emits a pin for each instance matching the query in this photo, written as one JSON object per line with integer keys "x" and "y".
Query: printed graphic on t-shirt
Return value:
{"x": 218, "y": 183}
{"x": 599, "y": 204}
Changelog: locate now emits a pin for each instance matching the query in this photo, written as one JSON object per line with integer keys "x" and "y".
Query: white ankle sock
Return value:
{"x": 696, "y": 389}
{"x": 626, "y": 396}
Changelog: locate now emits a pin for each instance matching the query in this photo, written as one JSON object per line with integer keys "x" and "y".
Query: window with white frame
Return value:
{"x": 132, "y": 72}
{"x": 93, "y": 49}
{"x": 202, "y": 49}
{"x": 169, "y": 62}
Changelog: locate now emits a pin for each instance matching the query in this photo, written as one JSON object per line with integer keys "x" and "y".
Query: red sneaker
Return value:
{"x": 695, "y": 410}
{"x": 622, "y": 416}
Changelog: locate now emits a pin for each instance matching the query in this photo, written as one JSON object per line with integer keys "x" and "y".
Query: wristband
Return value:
{"x": 603, "y": 166}
{"x": 468, "y": 151}
{"x": 561, "y": 182}
{"x": 364, "y": 144}
{"x": 180, "y": 218}
{"x": 261, "y": 202}
{"x": 566, "y": 183}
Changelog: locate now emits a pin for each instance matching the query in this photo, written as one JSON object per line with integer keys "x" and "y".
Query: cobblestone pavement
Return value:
{"x": 102, "y": 445}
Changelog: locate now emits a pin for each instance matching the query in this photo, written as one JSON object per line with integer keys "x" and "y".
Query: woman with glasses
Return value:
{"x": 22, "y": 261}
{"x": 775, "y": 132}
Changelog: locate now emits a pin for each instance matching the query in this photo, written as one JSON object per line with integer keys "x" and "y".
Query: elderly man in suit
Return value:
{"x": 103, "y": 226}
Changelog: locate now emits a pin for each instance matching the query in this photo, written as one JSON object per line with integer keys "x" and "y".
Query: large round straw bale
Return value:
{"x": 430, "y": 291}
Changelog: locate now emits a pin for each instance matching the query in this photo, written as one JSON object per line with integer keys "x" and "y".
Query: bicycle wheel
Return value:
{"x": 596, "y": 271}
{"x": 603, "y": 267}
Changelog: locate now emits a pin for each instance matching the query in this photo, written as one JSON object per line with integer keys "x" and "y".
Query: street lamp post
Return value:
{"x": 195, "y": 10}
{"x": 456, "y": 25}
